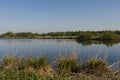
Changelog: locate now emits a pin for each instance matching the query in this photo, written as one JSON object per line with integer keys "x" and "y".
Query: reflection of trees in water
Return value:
{"x": 85, "y": 42}
{"x": 111, "y": 42}
{"x": 105, "y": 42}
{"x": 64, "y": 40}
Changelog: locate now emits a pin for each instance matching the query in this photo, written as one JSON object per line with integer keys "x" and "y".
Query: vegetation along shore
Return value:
{"x": 63, "y": 68}
{"x": 80, "y": 35}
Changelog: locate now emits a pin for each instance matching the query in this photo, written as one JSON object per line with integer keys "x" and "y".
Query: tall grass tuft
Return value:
{"x": 66, "y": 68}
{"x": 67, "y": 65}
{"x": 36, "y": 63}
{"x": 13, "y": 63}
{"x": 39, "y": 64}
{"x": 97, "y": 67}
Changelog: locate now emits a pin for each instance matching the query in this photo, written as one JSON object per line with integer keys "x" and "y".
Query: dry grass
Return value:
{"x": 66, "y": 68}
{"x": 97, "y": 67}
{"x": 67, "y": 65}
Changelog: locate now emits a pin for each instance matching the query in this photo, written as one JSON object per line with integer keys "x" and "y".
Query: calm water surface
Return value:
{"x": 53, "y": 48}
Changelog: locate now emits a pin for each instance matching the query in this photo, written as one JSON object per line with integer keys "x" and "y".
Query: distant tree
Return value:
{"x": 9, "y": 34}
{"x": 84, "y": 36}
{"x": 110, "y": 36}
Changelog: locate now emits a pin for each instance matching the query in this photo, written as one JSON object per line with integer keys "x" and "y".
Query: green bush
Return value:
{"x": 84, "y": 36}
{"x": 110, "y": 36}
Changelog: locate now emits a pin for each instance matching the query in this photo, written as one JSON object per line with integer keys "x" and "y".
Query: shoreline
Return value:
{"x": 65, "y": 68}
{"x": 42, "y": 37}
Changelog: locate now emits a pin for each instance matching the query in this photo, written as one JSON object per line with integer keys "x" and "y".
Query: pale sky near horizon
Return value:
{"x": 59, "y": 15}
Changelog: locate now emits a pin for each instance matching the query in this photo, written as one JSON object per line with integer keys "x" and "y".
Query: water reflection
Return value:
{"x": 53, "y": 48}
{"x": 108, "y": 43}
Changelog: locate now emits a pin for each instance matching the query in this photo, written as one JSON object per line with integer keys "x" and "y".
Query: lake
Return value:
{"x": 54, "y": 48}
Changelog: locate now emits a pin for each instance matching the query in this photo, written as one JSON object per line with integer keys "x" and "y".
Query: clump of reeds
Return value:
{"x": 18, "y": 68}
{"x": 39, "y": 64}
{"x": 97, "y": 66}
{"x": 13, "y": 63}
{"x": 67, "y": 65}
{"x": 30, "y": 64}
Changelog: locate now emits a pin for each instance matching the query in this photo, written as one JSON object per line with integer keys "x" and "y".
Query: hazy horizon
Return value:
{"x": 44, "y": 16}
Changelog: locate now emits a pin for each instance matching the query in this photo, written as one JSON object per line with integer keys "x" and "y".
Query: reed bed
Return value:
{"x": 65, "y": 68}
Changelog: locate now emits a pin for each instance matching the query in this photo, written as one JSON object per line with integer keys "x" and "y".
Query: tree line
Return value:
{"x": 81, "y": 35}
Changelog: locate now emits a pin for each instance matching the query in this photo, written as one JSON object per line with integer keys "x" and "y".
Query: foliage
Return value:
{"x": 66, "y": 68}
{"x": 96, "y": 66}
{"x": 40, "y": 65}
{"x": 26, "y": 75}
{"x": 13, "y": 63}
{"x": 82, "y": 35}
{"x": 110, "y": 36}
{"x": 67, "y": 65}
{"x": 19, "y": 35}
{"x": 37, "y": 62}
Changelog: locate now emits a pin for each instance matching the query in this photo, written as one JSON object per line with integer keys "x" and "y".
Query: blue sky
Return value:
{"x": 59, "y": 15}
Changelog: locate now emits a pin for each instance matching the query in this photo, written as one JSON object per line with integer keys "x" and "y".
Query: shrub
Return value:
{"x": 84, "y": 36}
{"x": 110, "y": 36}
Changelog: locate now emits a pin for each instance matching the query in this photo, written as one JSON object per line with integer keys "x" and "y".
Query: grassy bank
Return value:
{"x": 64, "y": 68}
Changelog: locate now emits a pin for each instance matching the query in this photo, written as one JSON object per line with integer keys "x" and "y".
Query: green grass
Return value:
{"x": 96, "y": 66}
{"x": 66, "y": 68}
{"x": 67, "y": 65}
{"x": 39, "y": 65}
{"x": 13, "y": 63}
